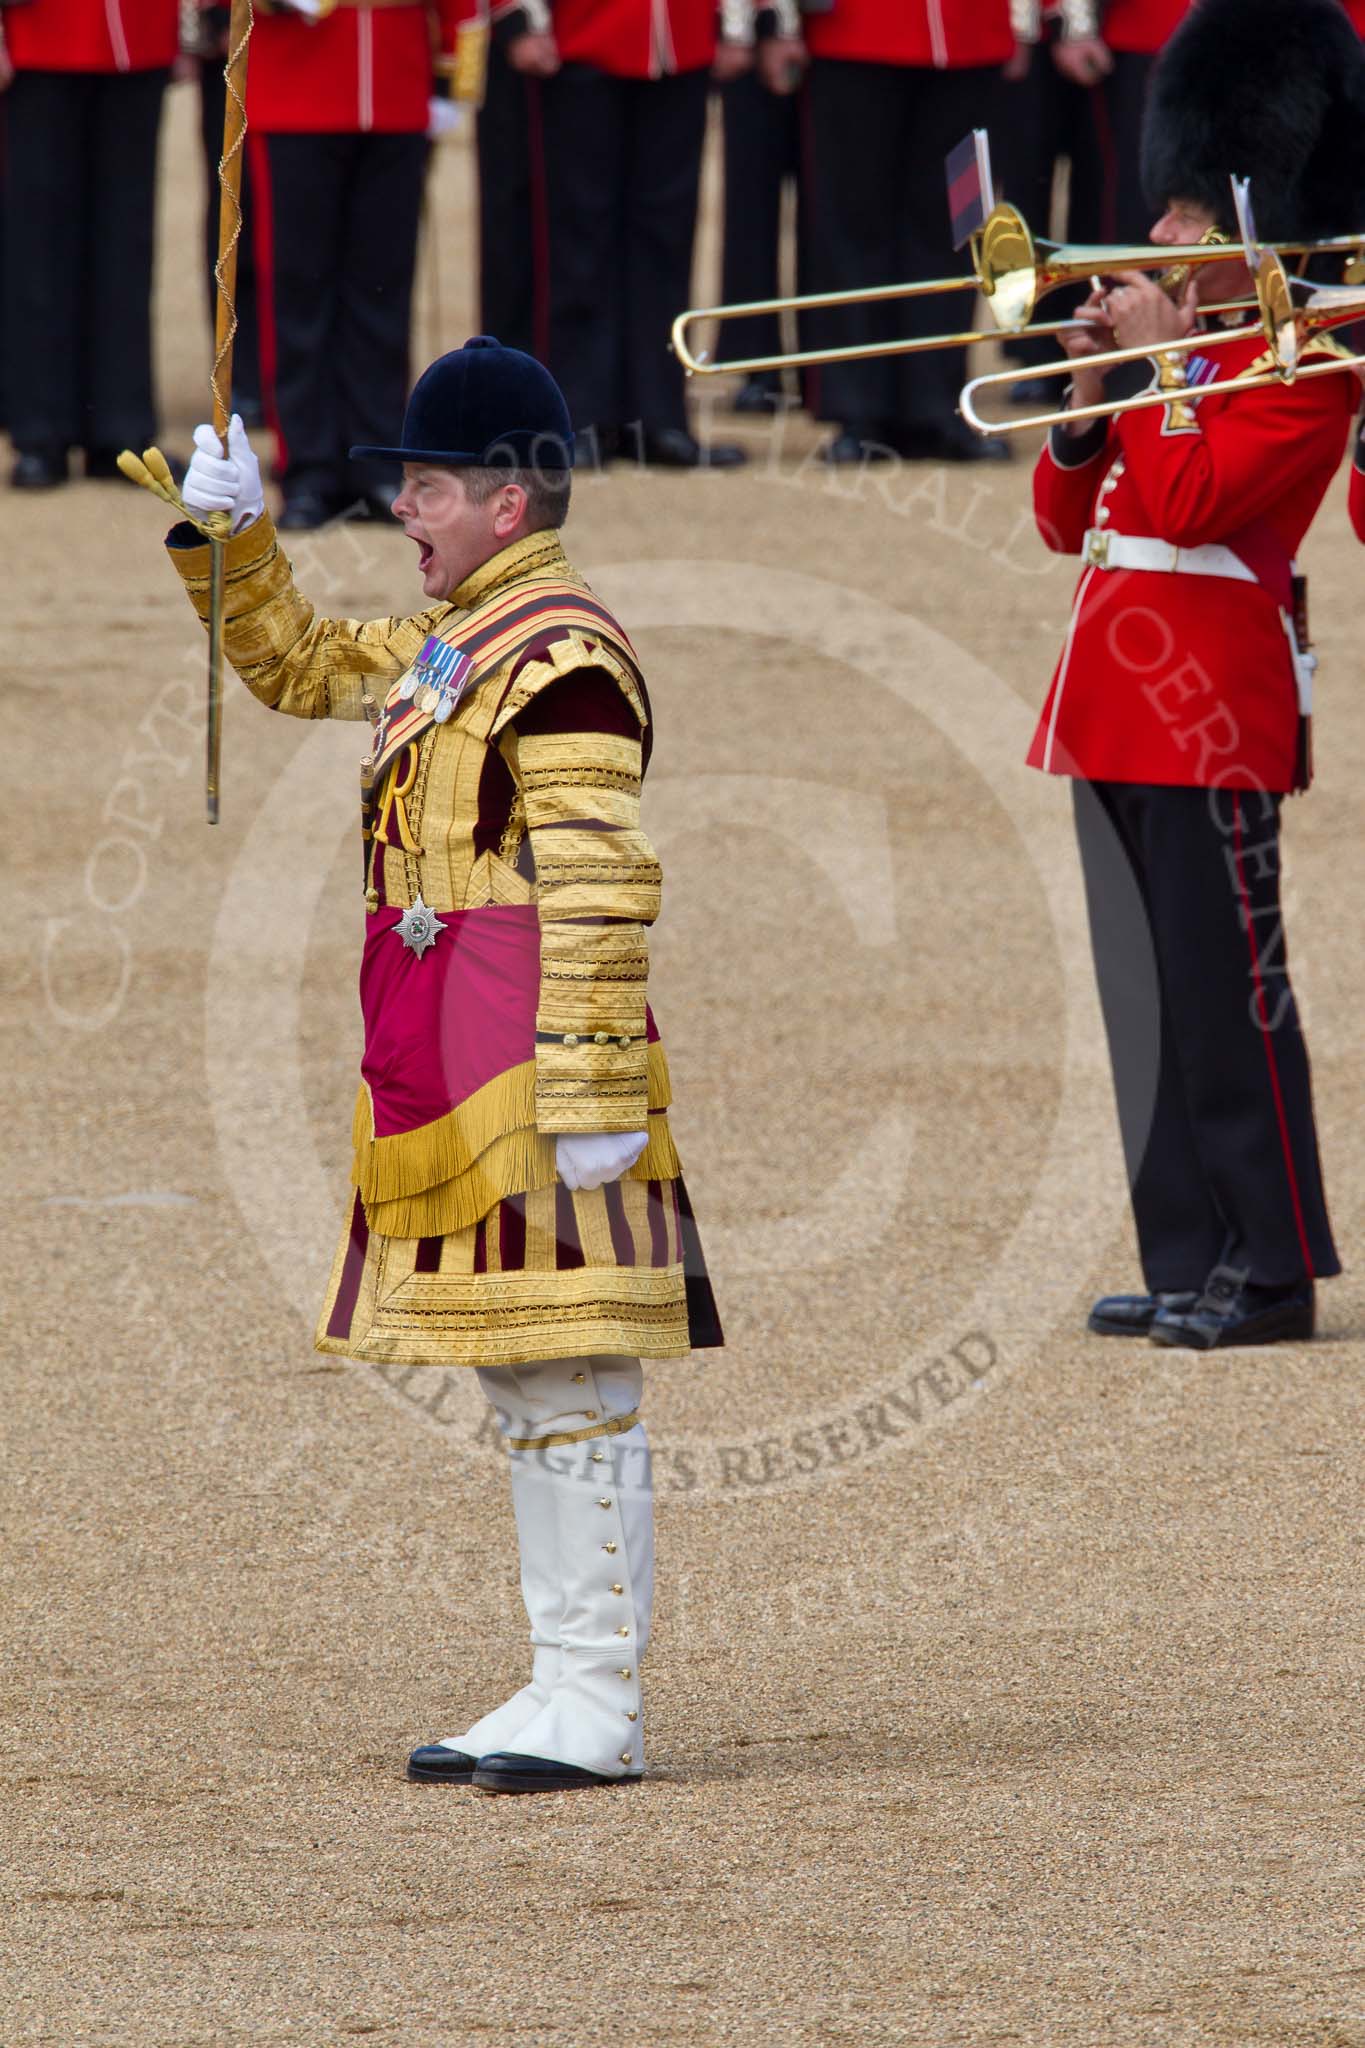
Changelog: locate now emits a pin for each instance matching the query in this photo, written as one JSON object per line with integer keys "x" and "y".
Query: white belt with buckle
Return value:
{"x": 1106, "y": 550}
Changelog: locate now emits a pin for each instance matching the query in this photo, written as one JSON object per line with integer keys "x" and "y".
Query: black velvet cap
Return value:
{"x": 1273, "y": 90}
{"x": 483, "y": 406}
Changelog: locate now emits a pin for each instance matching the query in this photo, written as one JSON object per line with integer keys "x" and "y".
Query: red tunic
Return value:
{"x": 361, "y": 70}
{"x": 636, "y": 38}
{"x": 1188, "y": 678}
{"x": 92, "y": 35}
{"x": 942, "y": 33}
{"x": 1143, "y": 25}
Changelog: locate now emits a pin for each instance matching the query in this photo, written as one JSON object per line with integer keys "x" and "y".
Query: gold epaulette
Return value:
{"x": 574, "y": 649}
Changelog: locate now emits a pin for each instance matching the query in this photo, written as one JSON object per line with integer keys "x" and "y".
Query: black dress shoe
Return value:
{"x": 434, "y": 1764}
{"x": 505, "y": 1771}
{"x": 672, "y": 448}
{"x": 950, "y": 441}
{"x": 1227, "y": 1314}
{"x": 304, "y": 511}
{"x": 1037, "y": 391}
{"x": 759, "y": 393}
{"x": 38, "y": 469}
{"x": 372, "y": 507}
{"x": 848, "y": 446}
{"x": 1132, "y": 1315}
{"x": 595, "y": 447}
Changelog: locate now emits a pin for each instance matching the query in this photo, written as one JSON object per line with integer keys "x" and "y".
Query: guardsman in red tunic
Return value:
{"x": 83, "y": 118}
{"x": 894, "y": 85}
{"x": 1180, "y": 703}
{"x": 338, "y": 106}
{"x": 618, "y": 128}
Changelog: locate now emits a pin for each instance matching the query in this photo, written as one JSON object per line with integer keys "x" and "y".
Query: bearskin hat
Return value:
{"x": 1273, "y": 90}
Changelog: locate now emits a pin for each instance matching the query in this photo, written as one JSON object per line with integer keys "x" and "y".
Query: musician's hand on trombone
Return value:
{"x": 1091, "y": 336}
{"x": 1143, "y": 315}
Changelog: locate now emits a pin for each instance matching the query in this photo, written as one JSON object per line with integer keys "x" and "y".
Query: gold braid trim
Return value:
{"x": 448, "y": 1174}
{"x": 572, "y": 650}
{"x": 617, "y": 1426}
{"x": 290, "y": 659}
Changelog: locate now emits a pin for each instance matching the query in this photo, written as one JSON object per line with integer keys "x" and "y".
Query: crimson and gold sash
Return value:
{"x": 493, "y": 634}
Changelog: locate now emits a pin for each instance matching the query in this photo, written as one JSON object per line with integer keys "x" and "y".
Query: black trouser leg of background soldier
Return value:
{"x": 513, "y": 259}
{"x": 762, "y": 151}
{"x": 1183, "y": 888}
{"x": 80, "y": 201}
{"x": 340, "y": 217}
{"x": 622, "y": 169}
{"x": 881, "y": 212}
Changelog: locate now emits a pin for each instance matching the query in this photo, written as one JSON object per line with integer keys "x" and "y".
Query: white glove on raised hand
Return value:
{"x": 215, "y": 482}
{"x": 588, "y": 1160}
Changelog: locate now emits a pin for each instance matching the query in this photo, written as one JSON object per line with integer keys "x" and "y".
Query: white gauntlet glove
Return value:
{"x": 215, "y": 482}
{"x": 588, "y": 1160}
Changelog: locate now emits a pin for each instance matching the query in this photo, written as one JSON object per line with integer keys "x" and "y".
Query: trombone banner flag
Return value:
{"x": 971, "y": 193}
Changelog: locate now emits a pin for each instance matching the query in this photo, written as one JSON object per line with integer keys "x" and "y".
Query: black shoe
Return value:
{"x": 672, "y": 448}
{"x": 505, "y": 1771}
{"x": 848, "y": 446}
{"x": 950, "y": 441}
{"x": 433, "y": 1764}
{"x": 1227, "y": 1313}
{"x": 595, "y": 447}
{"x": 1132, "y": 1315}
{"x": 38, "y": 469}
{"x": 760, "y": 392}
{"x": 372, "y": 508}
{"x": 1037, "y": 391}
{"x": 304, "y": 511}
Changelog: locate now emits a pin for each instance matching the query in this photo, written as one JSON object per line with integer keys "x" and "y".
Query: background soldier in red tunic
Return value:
{"x": 83, "y": 120}
{"x": 622, "y": 110}
{"x": 338, "y": 111}
{"x": 1177, "y": 703}
{"x": 894, "y": 84}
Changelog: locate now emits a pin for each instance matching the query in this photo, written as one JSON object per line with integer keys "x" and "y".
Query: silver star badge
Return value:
{"x": 418, "y": 926}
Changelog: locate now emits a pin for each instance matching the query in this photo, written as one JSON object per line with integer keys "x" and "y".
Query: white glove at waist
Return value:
{"x": 215, "y": 482}
{"x": 589, "y": 1159}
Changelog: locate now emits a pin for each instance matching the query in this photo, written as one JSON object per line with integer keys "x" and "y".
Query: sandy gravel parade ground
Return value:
{"x": 1007, "y": 1684}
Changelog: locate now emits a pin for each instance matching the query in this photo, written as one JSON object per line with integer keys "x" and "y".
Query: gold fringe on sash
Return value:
{"x": 445, "y": 1175}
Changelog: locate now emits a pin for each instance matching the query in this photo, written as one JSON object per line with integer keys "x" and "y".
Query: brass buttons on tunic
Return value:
{"x": 624, "y": 1044}
{"x": 618, "y": 1588}
{"x": 610, "y": 1549}
{"x": 631, "y": 1714}
{"x": 604, "y": 1502}
{"x": 601, "y": 1038}
{"x": 599, "y": 1457}
{"x": 626, "y": 1756}
{"x": 623, "y": 1631}
{"x": 625, "y": 1672}
{"x": 570, "y": 1038}
{"x": 579, "y": 1378}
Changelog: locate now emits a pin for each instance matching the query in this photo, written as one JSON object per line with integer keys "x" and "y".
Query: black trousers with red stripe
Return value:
{"x": 622, "y": 169}
{"x": 878, "y": 209}
{"x": 80, "y": 218}
{"x": 1210, "y": 1066}
{"x": 336, "y": 243}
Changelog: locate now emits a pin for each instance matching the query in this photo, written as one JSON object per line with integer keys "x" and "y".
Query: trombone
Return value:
{"x": 1285, "y": 327}
{"x": 1011, "y": 270}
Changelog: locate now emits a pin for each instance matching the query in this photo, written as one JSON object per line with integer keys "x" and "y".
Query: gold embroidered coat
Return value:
{"x": 462, "y": 1247}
